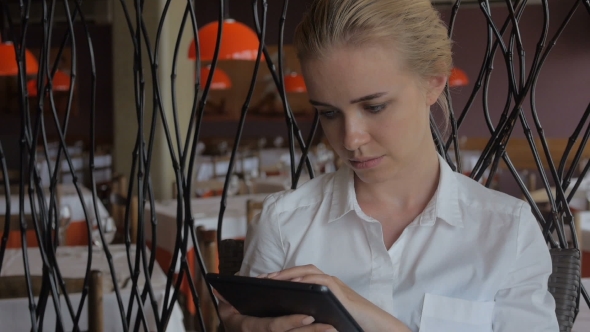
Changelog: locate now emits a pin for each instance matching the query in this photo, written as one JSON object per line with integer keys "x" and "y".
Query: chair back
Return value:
{"x": 207, "y": 240}
{"x": 16, "y": 287}
{"x": 253, "y": 207}
{"x": 231, "y": 251}
{"x": 231, "y": 255}
{"x": 564, "y": 285}
{"x": 118, "y": 201}
{"x": 15, "y": 222}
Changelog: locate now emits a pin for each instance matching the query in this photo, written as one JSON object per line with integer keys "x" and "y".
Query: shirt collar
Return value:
{"x": 343, "y": 194}
{"x": 444, "y": 204}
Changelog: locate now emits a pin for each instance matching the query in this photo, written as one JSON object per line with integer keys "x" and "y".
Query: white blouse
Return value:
{"x": 474, "y": 260}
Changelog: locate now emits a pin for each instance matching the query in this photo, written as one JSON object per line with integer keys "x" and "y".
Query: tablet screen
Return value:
{"x": 261, "y": 297}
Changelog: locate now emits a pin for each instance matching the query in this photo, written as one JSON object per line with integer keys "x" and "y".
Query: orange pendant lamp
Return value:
{"x": 61, "y": 82}
{"x": 221, "y": 80}
{"x": 458, "y": 78}
{"x": 295, "y": 83}
{"x": 238, "y": 42}
{"x": 8, "y": 64}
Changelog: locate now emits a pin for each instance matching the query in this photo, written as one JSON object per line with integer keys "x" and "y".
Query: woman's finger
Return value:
{"x": 295, "y": 272}
{"x": 279, "y": 324}
{"x": 315, "y": 328}
{"x": 218, "y": 296}
{"x": 226, "y": 310}
{"x": 320, "y": 279}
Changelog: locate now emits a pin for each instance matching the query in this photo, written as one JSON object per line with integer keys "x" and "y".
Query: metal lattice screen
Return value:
{"x": 503, "y": 41}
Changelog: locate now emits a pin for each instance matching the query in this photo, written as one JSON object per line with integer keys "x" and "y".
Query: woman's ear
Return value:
{"x": 435, "y": 86}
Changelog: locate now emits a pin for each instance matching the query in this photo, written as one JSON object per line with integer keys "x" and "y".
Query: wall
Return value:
{"x": 562, "y": 90}
{"x": 79, "y": 126}
{"x": 562, "y": 93}
{"x": 564, "y": 84}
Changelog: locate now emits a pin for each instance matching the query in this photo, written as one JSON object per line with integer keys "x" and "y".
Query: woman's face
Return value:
{"x": 374, "y": 112}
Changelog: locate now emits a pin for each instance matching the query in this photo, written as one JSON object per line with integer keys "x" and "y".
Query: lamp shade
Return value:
{"x": 220, "y": 79}
{"x": 238, "y": 42}
{"x": 294, "y": 83}
{"x": 8, "y": 64}
{"x": 458, "y": 78}
{"x": 61, "y": 82}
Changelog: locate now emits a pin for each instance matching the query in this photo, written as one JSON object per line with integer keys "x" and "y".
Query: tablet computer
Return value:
{"x": 261, "y": 297}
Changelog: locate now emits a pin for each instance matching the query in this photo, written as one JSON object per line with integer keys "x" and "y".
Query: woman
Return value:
{"x": 402, "y": 241}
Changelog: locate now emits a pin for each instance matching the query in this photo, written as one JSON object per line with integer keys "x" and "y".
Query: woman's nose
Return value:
{"x": 355, "y": 134}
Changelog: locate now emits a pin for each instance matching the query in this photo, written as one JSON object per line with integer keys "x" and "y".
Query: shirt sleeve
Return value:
{"x": 263, "y": 250}
{"x": 524, "y": 303}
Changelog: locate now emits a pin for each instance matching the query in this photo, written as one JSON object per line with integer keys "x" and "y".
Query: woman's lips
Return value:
{"x": 365, "y": 163}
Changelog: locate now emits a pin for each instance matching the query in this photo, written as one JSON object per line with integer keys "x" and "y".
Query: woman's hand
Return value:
{"x": 234, "y": 321}
{"x": 369, "y": 316}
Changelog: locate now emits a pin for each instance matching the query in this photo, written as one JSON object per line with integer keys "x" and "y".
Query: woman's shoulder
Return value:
{"x": 474, "y": 195}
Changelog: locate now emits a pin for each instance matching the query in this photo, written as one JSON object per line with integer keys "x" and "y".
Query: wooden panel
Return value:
{"x": 520, "y": 154}
{"x": 227, "y": 104}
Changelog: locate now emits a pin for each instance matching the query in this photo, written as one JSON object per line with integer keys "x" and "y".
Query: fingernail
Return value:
{"x": 296, "y": 279}
{"x": 272, "y": 275}
{"x": 264, "y": 275}
{"x": 308, "y": 320}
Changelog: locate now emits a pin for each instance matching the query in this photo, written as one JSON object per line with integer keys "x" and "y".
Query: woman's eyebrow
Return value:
{"x": 368, "y": 97}
{"x": 319, "y": 103}
{"x": 354, "y": 101}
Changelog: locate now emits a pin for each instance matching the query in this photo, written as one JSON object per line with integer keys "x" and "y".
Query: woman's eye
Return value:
{"x": 328, "y": 114}
{"x": 375, "y": 108}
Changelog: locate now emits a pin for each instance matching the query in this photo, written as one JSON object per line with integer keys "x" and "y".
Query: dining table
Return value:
{"x": 77, "y": 230}
{"x": 72, "y": 260}
{"x": 209, "y": 167}
{"x": 205, "y": 212}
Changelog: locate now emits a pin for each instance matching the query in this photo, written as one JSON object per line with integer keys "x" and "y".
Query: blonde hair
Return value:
{"x": 414, "y": 27}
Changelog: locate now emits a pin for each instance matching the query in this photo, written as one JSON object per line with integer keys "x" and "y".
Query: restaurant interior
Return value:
{"x": 151, "y": 150}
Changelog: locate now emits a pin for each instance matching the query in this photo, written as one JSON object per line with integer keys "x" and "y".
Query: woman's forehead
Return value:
{"x": 355, "y": 70}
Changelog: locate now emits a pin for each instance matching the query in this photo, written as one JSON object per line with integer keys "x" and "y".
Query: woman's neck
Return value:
{"x": 410, "y": 189}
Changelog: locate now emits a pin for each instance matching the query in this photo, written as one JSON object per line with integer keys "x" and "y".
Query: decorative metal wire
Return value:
{"x": 521, "y": 86}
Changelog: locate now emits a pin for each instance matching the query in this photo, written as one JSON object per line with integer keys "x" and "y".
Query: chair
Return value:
{"x": 564, "y": 285}
{"x": 207, "y": 240}
{"x": 253, "y": 207}
{"x": 231, "y": 251}
{"x": 117, "y": 208}
{"x": 16, "y": 287}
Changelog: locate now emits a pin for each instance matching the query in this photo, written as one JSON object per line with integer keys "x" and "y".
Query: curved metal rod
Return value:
{"x": 290, "y": 118}
{"x": 242, "y": 121}
{"x": 454, "y": 129}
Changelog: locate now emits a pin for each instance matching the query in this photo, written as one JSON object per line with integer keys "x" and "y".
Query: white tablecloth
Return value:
{"x": 205, "y": 211}
{"x": 210, "y": 167}
{"x": 69, "y": 197}
{"x": 14, "y": 313}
